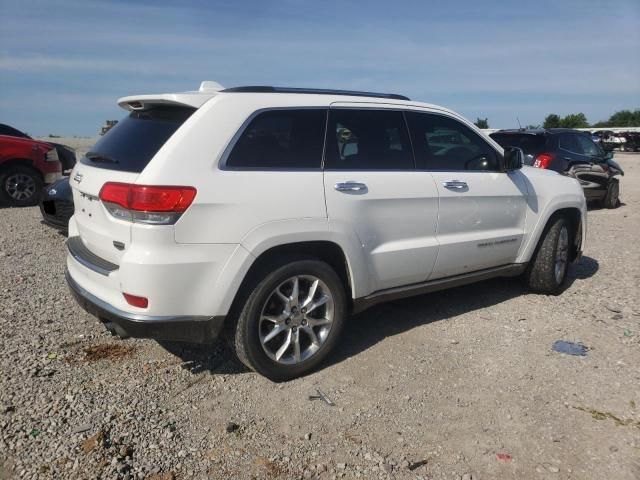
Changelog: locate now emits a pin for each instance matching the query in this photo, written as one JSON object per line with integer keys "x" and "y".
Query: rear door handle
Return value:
{"x": 350, "y": 187}
{"x": 455, "y": 185}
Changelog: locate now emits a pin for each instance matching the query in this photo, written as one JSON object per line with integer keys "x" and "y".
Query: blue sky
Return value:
{"x": 64, "y": 63}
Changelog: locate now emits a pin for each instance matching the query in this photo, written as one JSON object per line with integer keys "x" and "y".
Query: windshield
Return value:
{"x": 133, "y": 142}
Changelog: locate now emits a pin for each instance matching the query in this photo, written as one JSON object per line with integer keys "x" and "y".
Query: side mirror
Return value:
{"x": 513, "y": 158}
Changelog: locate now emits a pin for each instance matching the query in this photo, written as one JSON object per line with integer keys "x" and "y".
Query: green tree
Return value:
{"x": 574, "y": 120}
{"x": 552, "y": 121}
{"x": 625, "y": 118}
{"x": 482, "y": 122}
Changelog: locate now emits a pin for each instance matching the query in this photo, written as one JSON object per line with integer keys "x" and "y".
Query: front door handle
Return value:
{"x": 455, "y": 185}
{"x": 350, "y": 187}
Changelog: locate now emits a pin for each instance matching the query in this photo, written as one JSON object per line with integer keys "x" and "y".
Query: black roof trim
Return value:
{"x": 316, "y": 91}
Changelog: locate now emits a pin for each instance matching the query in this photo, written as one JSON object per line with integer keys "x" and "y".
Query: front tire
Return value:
{"x": 612, "y": 197}
{"x": 20, "y": 186}
{"x": 291, "y": 320}
{"x": 548, "y": 269}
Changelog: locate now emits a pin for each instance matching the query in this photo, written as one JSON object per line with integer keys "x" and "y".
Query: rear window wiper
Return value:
{"x": 99, "y": 157}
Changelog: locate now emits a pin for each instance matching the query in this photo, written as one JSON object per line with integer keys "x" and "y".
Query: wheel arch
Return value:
{"x": 574, "y": 217}
{"x": 19, "y": 162}
{"x": 324, "y": 250}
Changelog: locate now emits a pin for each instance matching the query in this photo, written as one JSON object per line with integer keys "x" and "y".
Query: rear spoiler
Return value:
{"x": 143, "y": 102}
{"x": 194, "y": 99}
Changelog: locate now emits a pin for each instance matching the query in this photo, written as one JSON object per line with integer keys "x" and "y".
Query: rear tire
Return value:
{"x": 547, "y": 270}
{"x": 20, "y": 186}
{"x": 612, "y": 197}
{"x": 285, "y": 331}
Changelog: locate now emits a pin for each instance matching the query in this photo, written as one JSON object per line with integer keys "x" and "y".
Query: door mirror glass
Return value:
{"x": 513, "y": 158}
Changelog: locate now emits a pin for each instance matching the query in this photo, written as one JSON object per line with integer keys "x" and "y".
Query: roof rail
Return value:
{"x": 316, "y": 91}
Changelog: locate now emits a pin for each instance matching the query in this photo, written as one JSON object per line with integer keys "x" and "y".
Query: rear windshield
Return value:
{"x": 132, "y": 143}
{"x": 528, "y": 143}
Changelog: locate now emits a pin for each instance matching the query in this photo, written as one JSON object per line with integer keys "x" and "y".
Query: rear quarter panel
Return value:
{"x": 255, "y": 210}
{"x": 13, "y": 148}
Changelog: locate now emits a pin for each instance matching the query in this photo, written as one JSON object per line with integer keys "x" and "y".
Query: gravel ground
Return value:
{"x": 454, "y": 385}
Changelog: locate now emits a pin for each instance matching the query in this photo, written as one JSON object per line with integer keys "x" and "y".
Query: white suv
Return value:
{"x": 279, "y": 211}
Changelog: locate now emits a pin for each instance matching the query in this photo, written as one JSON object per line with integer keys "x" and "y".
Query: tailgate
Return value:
{"x": 100, "y": 231}
{"x": 119, "y": 156}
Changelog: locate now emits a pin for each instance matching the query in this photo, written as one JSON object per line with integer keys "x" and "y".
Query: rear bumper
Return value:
{"x": 56, "y": 214}
{"x": 193, "y": 329}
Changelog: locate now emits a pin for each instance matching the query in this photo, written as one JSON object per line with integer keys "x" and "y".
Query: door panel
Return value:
{"x": 482, "y": 225}
{"x": 373, "y": 189}
{"x": 395, "y": 220}
{"x": 481, "y": 210}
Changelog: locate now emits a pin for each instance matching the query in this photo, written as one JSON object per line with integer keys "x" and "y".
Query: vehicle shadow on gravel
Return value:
{"x": 586, "y": 267}
{"x": 364, "y": 330}
{"x": 595, "y": 206}
{"x": 214, "y": 358}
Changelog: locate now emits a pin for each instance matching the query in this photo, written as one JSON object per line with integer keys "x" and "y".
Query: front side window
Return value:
{"x": 367, "y": 140}
{"x": 442, "y": 143}
{"x": 281, "y": 139}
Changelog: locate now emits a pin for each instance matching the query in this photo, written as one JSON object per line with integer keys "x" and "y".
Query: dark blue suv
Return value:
{"x": 572, "y": 153}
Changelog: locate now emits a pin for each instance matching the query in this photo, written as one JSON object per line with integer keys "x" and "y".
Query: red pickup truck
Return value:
{"x": 26, "y": 165}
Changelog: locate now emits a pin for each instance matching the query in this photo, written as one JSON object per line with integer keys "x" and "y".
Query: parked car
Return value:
{"x": 25, "y": 167}
{"x": 632, "y": 141}
{"x": 56, "y": 204}
{"x": 571, "y": 153}
{"x": 244, "y": 207}
{"x": 66, "y": 154}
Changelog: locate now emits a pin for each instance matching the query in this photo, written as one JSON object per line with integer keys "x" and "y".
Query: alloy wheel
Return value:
{"x": 20, "y": 186}
{"x": 296, "y": 319}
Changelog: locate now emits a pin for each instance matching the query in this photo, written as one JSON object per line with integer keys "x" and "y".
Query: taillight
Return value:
{"x": 51, "y": 156}
{"x": 158, "y": 205}
{"x": 543, "y": 160}
{"x": 136, "y": 301}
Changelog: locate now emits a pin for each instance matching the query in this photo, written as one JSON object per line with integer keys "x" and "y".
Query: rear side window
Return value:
{"x": 367, "y": 140}
{"x": 569, "y": 142}
{"x": 587, "y": 145}
{"x": 442, "y": 143}
{"x": 281, "y": 139}
{"x": 133, "y": 142}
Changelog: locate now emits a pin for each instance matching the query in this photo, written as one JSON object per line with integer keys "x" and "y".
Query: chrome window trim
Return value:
{"x": 222, "y": 161}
